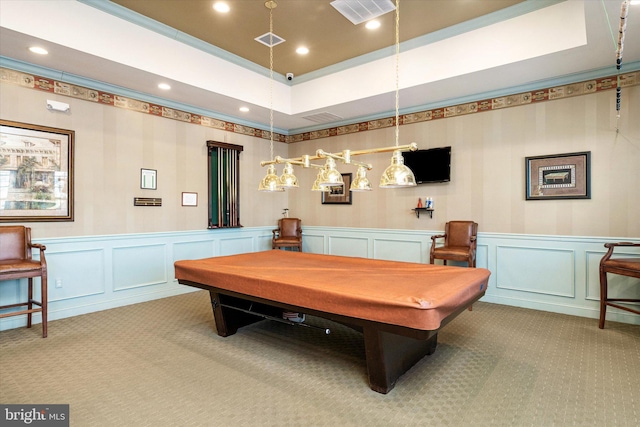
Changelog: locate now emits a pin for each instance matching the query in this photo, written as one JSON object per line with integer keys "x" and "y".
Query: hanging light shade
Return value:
{"x": 330, "y": 175}
{"x": 270, "y": 181}
{"x": 361, "y": 183}
{"x": 288, "y": 179}
{"x": 316, "y": 184}
{"x": 397, "y": 174}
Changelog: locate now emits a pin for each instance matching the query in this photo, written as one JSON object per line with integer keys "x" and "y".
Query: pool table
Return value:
{"x": 399, "y": 307}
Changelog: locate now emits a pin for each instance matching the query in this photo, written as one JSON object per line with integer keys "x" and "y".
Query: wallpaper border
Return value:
{"x": 46, "y": 84}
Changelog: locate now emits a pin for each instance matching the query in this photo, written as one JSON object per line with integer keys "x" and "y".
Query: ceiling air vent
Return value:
{"x": 267, "y": 40}
{"x": 359, "y": 11}
{"x": 323, "y": 117}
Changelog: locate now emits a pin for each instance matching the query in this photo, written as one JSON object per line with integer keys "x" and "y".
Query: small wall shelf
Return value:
{"x": 427, "y": 210}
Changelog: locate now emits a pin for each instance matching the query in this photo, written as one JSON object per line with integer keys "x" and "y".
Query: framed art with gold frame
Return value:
{"x": 36, "y": 173}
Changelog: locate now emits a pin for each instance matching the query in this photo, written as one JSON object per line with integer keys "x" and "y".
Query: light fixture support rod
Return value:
{"x": 344, "y": 157}
{"x": 321, "y": 154}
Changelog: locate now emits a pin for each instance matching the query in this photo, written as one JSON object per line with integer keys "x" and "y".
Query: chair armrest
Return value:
{"x": 43, "y": 259}
{"x": 612, "y": 246}
{"x": 473, "y": 238}
{"x": 439, "y": 236}
{"x": 275, "y": 232}
{"x": 38, "y": 246}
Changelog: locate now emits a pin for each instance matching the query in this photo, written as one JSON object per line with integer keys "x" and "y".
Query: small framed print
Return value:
{"x": 148, "y": 179}
{"x": 189, "y": 199}
{"x": 338, "y": 194}
{"x": 559, "y": 176}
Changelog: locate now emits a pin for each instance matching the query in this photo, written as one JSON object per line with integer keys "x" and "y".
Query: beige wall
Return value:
{"x": 488, "y": 171}
{"x": 487, "y": 184}
{"x": 111, "y": 147}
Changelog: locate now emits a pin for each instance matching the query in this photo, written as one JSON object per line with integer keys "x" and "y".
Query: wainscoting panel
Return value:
{"x": 314, "y": 243}
{"x": 537, "y": 270}
{"x": 349, "y": 246}
{"x": 482, "y": 255}
{"x": 592, "y": 282}
{"x": 398, "y": 250}
{"x": 137, "y": 266}
{"x": 80, "y": 274}
{"x": 14, "y": 291}
{"x": 263, "y": 242}
{"x": 236, "y": 245}
{"x": 193, "y": 250}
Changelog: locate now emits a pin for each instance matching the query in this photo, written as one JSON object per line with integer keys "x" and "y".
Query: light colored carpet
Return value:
{"x": 161, "y": 363}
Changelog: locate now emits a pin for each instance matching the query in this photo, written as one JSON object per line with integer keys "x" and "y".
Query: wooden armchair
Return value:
{"x": 288, "y": 234}
{"x": 623, "y": 266}
{"x": 16, "y": 262}
{"x": 459, "y": 243}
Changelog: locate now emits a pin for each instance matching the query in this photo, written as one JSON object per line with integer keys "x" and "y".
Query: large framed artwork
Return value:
{"x": 338, "y": 194}
{"x": 36, "y": 173}
{"x": 559, "y": 176}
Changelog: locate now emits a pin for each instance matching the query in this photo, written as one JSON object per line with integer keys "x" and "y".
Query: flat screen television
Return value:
{"x": 432, "y": 165}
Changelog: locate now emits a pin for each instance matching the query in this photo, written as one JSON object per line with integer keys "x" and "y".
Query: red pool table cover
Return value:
{"x": 412, "y": 295}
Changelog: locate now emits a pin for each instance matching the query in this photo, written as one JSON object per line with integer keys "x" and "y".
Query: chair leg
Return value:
{"x": 603, "y": 298}
{"x": 29, "y": 301}
{"x": 44, "y": 300}
{"x": 471, "y": 263}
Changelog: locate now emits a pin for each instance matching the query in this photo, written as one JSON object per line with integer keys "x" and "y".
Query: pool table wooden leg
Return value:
{"x": 231, "y": 313}
{"x": 389, "y": 356}
{"x": 228, "y": 321}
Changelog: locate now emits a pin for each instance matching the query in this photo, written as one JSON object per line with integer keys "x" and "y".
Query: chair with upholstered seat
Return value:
{"x": 288, "y": 234}
{"x": 629, "y": 267}
{"x": 16, "y": 262}
{"x": 459, "y": 243}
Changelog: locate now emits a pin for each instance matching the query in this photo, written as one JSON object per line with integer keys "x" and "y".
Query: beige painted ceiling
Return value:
{"x": 330, "y": 37}
{"x": 469, "y": 50}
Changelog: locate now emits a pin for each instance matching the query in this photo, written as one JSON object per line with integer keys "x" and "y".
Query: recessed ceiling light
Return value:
{"x": 373, "y": 24}
{"x": 38, "y": 50}
{"x": 221, "y": 7}
{"x": 244, "y": 109}
{"x": 302, "y": 50}
{"x": 164, "y": 86}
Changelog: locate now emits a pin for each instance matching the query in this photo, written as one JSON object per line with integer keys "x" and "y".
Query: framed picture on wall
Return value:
{"x": 189, "y": 199}
{"x": 338, "y": 194}
{"x": 148, "y": 179}
{"x": 36, "y": 173}
{"x": 558, "y": 176}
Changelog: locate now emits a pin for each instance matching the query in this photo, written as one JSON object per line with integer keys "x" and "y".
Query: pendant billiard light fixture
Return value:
{"x": 396, "y": 175}
{"x": 270, "y": 181}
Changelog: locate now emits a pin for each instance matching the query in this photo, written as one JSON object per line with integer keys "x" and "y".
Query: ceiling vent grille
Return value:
{"x": 323, "y": 117}
{"x": 359, "y": 11}
{"x": 266, "y": 38}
